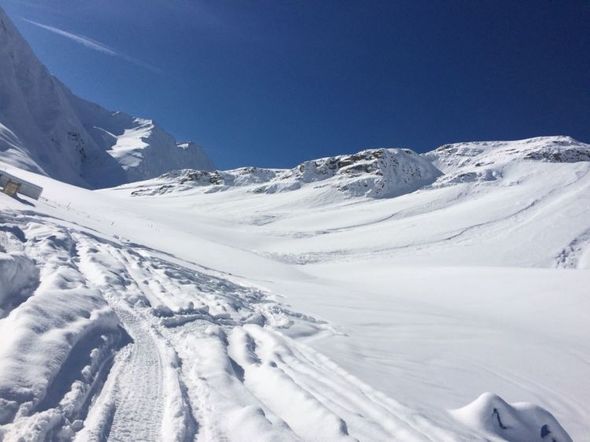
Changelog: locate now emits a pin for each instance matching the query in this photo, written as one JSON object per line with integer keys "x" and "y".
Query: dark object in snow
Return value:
{"x": 545, "y": 431}
{"x": 12, "y": 185}
{"x": 497, "y": 414}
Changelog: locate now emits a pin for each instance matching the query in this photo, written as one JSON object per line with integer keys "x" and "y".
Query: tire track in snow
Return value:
{"x": 270, "y": 387}
{"x": 134, "y": 408}
{"x": 139, "y": 390}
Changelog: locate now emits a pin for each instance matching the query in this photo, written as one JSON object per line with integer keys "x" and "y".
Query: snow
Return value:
{"x": 485, "y": 160}
{"x": 369, "y": 296}
{"x": 18, "y": 274}
{"x": 314, "y": 313}
{"x": 45, "y": 128}
{"x": 438, "y": 336}
{"x": 375, "y": 173}
{"x": 49, "y": 337}
{"x": 511, "y": 422}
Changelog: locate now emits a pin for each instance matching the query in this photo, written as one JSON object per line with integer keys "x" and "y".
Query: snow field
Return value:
{"x": 164, "y": 316}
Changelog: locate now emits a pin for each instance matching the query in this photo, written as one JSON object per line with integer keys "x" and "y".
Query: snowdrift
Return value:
{"x": 517, "y": 422}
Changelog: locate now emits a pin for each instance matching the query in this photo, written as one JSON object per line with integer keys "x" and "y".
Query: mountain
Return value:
{"x": 482, "y": 161}
{"x": 380, "y": 173}
{"x": 375, "y": 173}
{"x": 45, "y": 128}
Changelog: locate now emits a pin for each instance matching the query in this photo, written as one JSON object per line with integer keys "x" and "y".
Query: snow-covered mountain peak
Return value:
{"x": 47, "y": 129}
{"x": 486, "y": 160}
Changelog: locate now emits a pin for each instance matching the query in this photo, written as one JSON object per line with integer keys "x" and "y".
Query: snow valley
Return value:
{"x": 259, "y": 304}
{"x": 383, "y": 295}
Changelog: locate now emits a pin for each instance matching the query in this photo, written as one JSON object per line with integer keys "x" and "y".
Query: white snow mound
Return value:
{"x": 518, "y": 422}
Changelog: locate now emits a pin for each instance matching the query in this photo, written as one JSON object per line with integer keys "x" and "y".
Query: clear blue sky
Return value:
{"x": 275, "y": 82}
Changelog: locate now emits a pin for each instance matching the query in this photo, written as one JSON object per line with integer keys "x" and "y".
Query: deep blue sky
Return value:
{"x": 275, "y": 82}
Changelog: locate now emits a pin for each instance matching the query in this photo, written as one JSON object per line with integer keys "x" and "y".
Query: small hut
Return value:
{"x": 12, "y": 186}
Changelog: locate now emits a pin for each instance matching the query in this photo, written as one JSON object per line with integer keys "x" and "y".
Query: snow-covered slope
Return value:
{"x": 485, "y": 160}
{"x": 119, "y": 341}
{"x": 375, "y": 173}
{"x": 315, "y": 314}
{"x": 47, "y": 129}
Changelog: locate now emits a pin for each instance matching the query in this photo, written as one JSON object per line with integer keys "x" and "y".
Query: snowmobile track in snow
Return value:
{"x": 139, "y": 390}
{"x": 134, "y": 388}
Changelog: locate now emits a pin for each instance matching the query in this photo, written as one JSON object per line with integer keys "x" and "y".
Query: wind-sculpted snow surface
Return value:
{"x": 18, "y": 278}
{"x": 374, "y": 173}
{"x": 200, "y": 318}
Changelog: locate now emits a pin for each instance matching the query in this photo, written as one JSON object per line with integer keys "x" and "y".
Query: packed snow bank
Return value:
{"x": 374, "y": 173}
{"x": 518, "y": 422}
